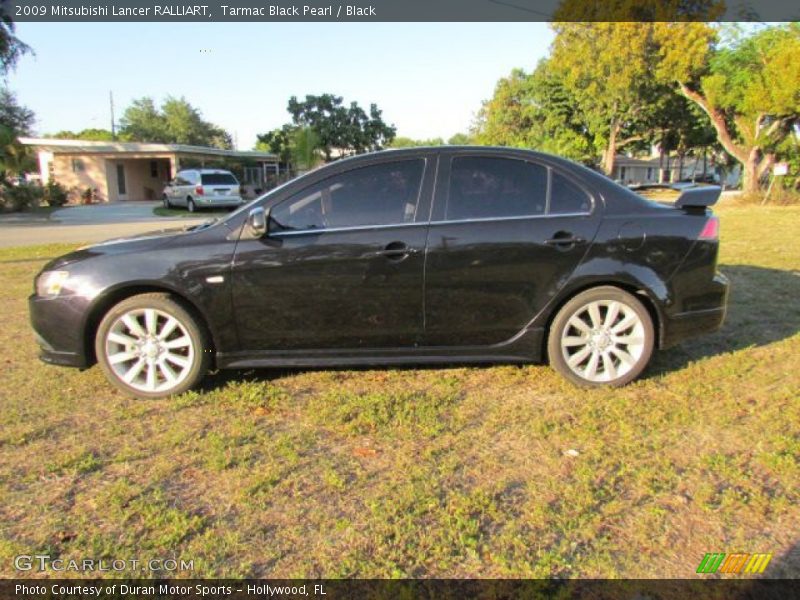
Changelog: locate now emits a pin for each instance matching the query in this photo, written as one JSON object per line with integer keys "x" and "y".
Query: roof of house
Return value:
{"x": 59, "y": 146}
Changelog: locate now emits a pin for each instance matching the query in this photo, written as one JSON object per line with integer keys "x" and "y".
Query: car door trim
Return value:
{"x": 425, "y": 224}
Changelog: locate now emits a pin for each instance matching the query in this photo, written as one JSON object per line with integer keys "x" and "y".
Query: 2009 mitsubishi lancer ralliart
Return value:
{"x": 426, "y": 255}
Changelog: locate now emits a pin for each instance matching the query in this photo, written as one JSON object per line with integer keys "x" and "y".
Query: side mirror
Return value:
{"x": 257, "y": 222}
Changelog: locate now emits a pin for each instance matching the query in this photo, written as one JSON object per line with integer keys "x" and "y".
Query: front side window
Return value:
{"x": 383, "y": 194}
{"x": 487, "y": 187}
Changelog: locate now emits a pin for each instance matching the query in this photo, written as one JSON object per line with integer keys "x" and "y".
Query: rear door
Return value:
{"x": 505, "y": 235}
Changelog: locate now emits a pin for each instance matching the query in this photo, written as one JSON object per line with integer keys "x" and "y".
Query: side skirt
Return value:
{"x": 524, "y": 348}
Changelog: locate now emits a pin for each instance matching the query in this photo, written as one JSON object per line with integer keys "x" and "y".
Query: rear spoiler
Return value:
{"x": 692, "y": 195}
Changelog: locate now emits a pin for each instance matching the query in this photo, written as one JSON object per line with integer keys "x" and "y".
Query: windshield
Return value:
{"x": 218, "y": 179}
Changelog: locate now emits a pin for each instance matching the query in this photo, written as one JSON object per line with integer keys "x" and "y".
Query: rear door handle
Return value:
{"x": 396, "y": 251}
{"x": 564, "y": 238}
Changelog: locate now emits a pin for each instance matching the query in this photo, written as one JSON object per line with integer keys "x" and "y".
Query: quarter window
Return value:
{"x": 566, "y": 197}
{"x": 383, "y": 194}
{"x": 482, "y": 187}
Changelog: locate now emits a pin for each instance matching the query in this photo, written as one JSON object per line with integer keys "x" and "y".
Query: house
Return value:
{"x": 634, "y": 171}
{"x": 139, "y": 171}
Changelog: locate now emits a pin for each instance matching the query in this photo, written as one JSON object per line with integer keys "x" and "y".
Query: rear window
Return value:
{"x": 218, "y": 179}
{"x": 566, "y": 197}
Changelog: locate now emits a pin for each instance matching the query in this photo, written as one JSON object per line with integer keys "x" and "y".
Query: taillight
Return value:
{"x": 710, "y": 229}
{"x": 199, "y": 190}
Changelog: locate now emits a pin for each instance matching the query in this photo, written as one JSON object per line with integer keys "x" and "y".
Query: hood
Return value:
{"x": 134, "y": 243}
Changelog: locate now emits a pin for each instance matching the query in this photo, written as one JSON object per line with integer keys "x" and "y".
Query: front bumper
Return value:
{"x": 56, "y": 323}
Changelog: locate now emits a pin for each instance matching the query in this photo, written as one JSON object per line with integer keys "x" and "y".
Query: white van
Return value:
{"x": 202, "y": 188}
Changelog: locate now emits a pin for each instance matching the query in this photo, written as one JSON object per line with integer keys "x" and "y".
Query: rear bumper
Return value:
{"x": 219, "y": 201}
{"x": 685, "y": 325}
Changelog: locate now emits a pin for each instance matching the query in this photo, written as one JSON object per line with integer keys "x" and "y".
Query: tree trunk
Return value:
{"x": 750, "y": 174}
{"x": 753, "y": 165}
{"x": 754, "y": 168}
{"x": 610, "y": 154}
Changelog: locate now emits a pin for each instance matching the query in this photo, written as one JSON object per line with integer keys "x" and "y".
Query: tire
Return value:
{"x": 165, "y": 201}
{"x": 603, "y": 336}
{"x": 147, "y": 340}
{"x": 190, "y": 205}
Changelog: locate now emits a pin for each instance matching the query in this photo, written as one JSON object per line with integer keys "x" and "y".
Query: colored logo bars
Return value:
{"x": 719, "y": 562}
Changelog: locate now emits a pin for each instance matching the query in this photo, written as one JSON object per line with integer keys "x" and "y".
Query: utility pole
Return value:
{"x": 113, "y": 126}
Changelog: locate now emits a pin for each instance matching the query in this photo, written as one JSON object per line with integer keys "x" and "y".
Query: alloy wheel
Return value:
{"x": 603, "y": 341}
{"x": 149, "y": 350}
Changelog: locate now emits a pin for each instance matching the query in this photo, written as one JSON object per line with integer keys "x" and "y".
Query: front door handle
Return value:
{"x": 396, "y": 251}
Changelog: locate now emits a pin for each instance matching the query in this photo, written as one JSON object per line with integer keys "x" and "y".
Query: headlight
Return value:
{"x": 49, "y": 283}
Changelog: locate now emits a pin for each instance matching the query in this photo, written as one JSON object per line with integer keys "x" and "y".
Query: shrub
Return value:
{"x": 14, "y": 198}
{"x": 55, "y": 194}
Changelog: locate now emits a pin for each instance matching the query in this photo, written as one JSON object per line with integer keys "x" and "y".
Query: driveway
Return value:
{"x": 117, "y": 212}
{"x": 77, "y": 224}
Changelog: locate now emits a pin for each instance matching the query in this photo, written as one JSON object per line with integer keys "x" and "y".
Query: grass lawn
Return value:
{"x": 500, "y": 471}
{"x": 162, "y": 211}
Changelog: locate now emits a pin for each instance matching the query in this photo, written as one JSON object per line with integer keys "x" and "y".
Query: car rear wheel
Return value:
{"x": 151, "y": 347}
{"x": 190, "y": 204}
{"x": 601, "y": 337}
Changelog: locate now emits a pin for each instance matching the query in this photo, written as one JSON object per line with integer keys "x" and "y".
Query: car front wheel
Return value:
{"x": 603, "y": 336}
{"x": 151, "y": 347}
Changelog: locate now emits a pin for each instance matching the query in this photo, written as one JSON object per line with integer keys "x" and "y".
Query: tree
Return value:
{"x": 15, "y": 121}
{"x": 460, "y": 139}
{"x": 607, "y": 68}
{"x": 407, "y": 142}
{"x": 13, "y": 116}
{"x": 142, "y": 122}
{"x": 277, "y": 141}
{"x": 90, "y": 134}
{"x": 176, "y": 122}
{"x": 11, "y": 47}
{"x": 749, "y": 87}
{"x": 535, "y": 111}
{"x": 305, "y": 148}
{"x": 350, "y": 130}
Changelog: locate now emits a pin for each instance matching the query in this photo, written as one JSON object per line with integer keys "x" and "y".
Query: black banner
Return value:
{"x": 414, "y": 589}
{"x": 403, "y": 10}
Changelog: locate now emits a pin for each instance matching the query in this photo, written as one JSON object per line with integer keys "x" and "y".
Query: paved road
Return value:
{"x": 86, "y": 224}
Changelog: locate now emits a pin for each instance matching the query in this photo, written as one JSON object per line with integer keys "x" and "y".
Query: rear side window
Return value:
{"x": 383, "y": 194}
{"x": 482, "y": 187}
{"x": 566, "y": 197}
{"x": 218, "y": 179}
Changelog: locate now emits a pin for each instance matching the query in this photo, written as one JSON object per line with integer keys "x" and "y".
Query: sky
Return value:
{"x": 428, "y": 78}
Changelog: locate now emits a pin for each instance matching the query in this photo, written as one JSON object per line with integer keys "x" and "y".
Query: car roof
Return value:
{"x": 205, "y": 171}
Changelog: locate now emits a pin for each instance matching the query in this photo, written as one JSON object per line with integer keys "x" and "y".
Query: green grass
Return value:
{"x": 161, "y": 211}
{"x": 499, "y": 471}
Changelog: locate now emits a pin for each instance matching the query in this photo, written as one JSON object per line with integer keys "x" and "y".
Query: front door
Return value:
{"x": 122, "y": 184}
{"x": 505, "y": 236}
{"x": 342, "y": 266}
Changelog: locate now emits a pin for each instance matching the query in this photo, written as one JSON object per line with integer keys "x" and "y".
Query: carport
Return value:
{"x": 118, "y": 171}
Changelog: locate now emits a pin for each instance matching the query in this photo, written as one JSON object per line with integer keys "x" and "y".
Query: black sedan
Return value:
{"x": 432, "y": 255}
